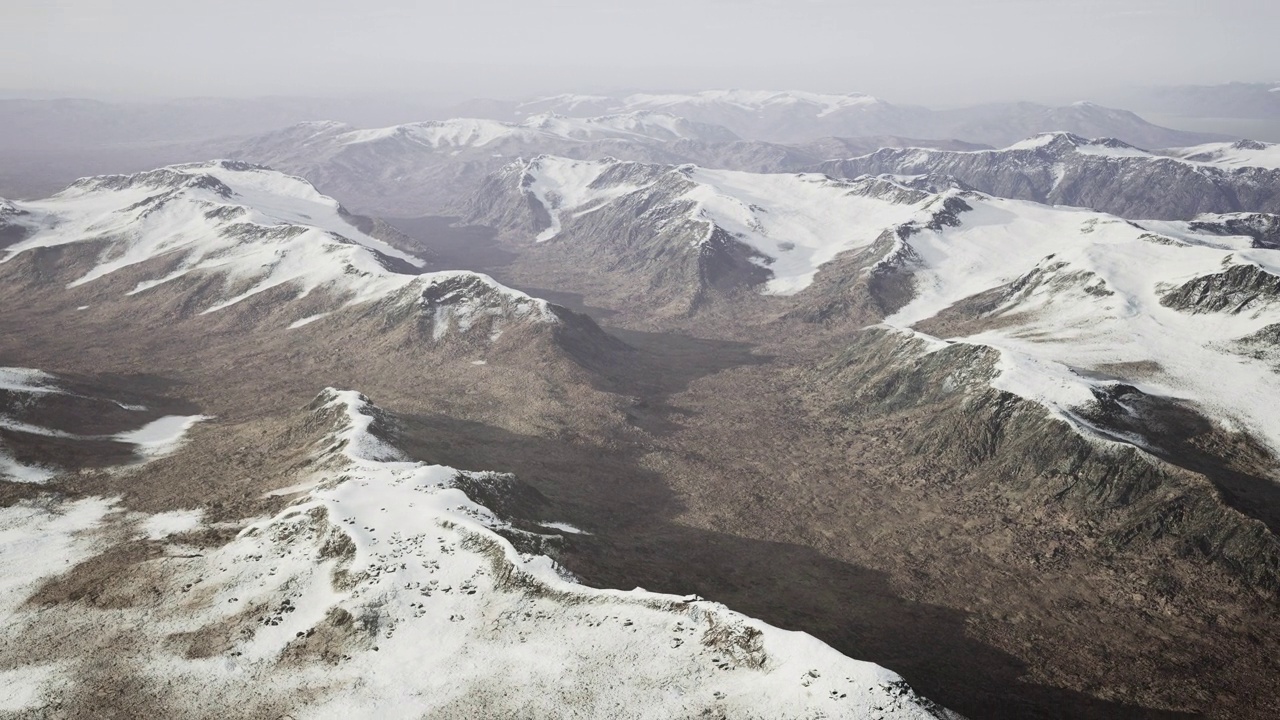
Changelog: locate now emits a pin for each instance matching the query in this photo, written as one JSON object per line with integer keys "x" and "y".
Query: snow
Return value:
{"x": 448, "y": 618}
{"x": 161, "y": 437}
{"x": 39, "y": 540}
{"x": 18, "y": 426}
{"x": 175, "y": 522}
{"x": 561, "y": 185}
{"x": 278, "y": 230}
{"x": 459, "y": 134}
{"x": 26, "y": 380}
{"x": 22, "y": 687}
{"x": 798, "y": 221}
{"x": 1096, "y": 307}
{"x": 1102, "y": 147}
{"x": 753, "y": 100}
{"x": 568, "y": 101}
{"x": 258, "y": 229}
{"x": 1234, "y": 155}
{"x": 564, "y": 527}
{"x": 14, "y": 471}
{"x": 306, "y": 321}
{"x": 1036, "y": 142}
{"x": 438, "y": 134}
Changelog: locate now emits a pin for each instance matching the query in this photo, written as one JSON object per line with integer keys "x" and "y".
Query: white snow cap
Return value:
{"x": 258, "y": 228}
{"x": 796, "y": 222}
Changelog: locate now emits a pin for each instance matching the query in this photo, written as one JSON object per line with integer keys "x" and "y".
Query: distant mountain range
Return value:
{"x": 1259, "y": 101}
{"x": 1103, "y": 174}
{"x": 796, "y": 117}
{"x": 433, "y": 167}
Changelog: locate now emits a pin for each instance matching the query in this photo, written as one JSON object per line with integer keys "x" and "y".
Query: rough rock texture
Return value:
{"x": 1240, "y": 289}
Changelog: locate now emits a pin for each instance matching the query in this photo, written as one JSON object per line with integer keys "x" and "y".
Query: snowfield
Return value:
{"x": 383, "y": 590}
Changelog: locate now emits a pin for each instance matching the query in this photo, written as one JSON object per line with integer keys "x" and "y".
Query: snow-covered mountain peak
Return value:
{"x": 1060, "y": 142}
{"x": 437, "y": 134}
{"x": 755, "y": 100}
{"x": 259, "y": 231}
{"x": 788, "y": 224}
{"x": 1076, "y": 300}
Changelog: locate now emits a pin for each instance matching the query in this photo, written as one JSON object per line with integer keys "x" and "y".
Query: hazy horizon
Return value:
{"x": 932, "y": 52}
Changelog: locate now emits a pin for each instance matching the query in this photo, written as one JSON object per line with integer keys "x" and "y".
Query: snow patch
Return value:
{"x": 175, "y": 522}
{"x": 39, "y": 540}
{"x": 306, "y": 321}
{"x": 14, "y": 471}
{"x": 565, "y": 527}
{"x": 26, "y": 380}
{"x": 22, "y": 688}
{"x": 161, "y": 437}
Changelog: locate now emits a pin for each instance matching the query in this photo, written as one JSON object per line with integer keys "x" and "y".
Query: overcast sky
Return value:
{"x": 922, "y": 51}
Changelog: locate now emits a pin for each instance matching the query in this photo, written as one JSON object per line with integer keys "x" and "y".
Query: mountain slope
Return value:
{"x": 424, "y": 168}
{"x": 680, "y": 235}
{"x": 1104, "y": 174}
{"x": 434, "y": 167}
{"x": 1243, "y": 153}
{"x": 214, "y": 236}
{"x": 382, "y": 588}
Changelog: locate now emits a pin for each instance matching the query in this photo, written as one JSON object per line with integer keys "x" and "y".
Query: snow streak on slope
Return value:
{"x": 256, "y": 228}
{"x": 161, "y": 437}
{"x": 385, "y": 591}
{"x": 795, "y": 222}
{"x": 26, "y": 380}
{"x": 1083, "y": 298}
{"x": 23, "y": 381}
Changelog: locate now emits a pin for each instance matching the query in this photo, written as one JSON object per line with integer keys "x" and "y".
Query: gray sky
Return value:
{"x": 923, "y": 51}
